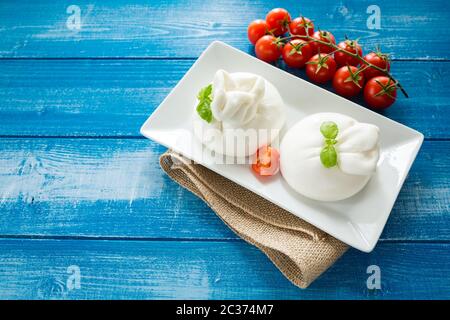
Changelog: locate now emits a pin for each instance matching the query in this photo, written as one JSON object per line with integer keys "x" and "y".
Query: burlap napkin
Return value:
{"x": 301, "y": 251}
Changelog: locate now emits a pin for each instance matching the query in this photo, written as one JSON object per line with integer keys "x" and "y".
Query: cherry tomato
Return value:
{"x": 297, "y": 26}
{"x": 377, "y": 59}
{"x": 256, "y": 29}
{"x": 347, "y": 81}
{"x": 296, "y": 53}
{"x": 343, "y": 59}
{"x": 267, "y": 48}
{"x": 321, "y": 68}
{"x": 278, "y": 19}
{"x": 380, "y": 92}
{"x": 325, "y": 36}
{"x": 266, "y": 161}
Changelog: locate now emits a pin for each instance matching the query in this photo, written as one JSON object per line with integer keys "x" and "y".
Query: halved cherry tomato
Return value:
{"x": 343, "y": 59}
{"x": 267, "y": 48}
{"x": 278, "y": 19}
{"x": 347, "y": 81}
{"x": 298, "y": 25}
{"x": 321, "y": 68}
{"x": 296, "y": 53}
{"x": 266, "y": 161}
{"x": 324, "y": 36}
{"x": 380, "y": 92}
{"x": 378, "y": 59}
{"x": 256, "y": 30}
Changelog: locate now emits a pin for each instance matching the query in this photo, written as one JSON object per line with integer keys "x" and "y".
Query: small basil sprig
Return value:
{"x": 204, "y": 103}
{"x": 328, "y": 154}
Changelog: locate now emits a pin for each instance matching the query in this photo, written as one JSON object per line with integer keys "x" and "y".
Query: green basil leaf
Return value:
{"x": 204, "y": 111}
{"x": 328, "y": 156}
{"x": 208, "y": 91}
{"x": 204, "y": 103}
{"x": 205, "y": 93}
{"x": 329, "y": 129}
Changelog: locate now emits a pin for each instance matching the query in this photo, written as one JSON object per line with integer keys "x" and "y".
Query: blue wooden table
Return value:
{"x": 82, "y": 196}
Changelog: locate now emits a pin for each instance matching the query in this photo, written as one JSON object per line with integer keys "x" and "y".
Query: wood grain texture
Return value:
{"x": 115, "y": 97}
{"x": 115, "y": 188}
{"x": 104, "y": 205}
{"x": 37, "y": 269}
{"x": 176, "y": 28}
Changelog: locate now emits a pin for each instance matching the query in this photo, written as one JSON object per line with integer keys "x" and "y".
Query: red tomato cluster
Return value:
{"x": 324, "y": 62}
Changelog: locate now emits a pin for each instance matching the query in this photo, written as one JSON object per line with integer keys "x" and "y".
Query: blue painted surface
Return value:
{"x": 80, "y": 187}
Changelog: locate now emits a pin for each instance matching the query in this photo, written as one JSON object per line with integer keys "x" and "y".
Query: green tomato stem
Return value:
{"x": 354, "y": 55}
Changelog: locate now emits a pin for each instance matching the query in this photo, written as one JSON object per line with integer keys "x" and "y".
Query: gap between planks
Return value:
{"x": 124, "y": 137}
{"x": 169, "y": 239}
{"x": 182, "y": 58}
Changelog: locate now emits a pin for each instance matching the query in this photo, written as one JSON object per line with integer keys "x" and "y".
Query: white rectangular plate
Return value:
{"x": 357, "y": 221}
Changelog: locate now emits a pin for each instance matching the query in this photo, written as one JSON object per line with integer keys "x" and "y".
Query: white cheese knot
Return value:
{"x": 247, "y": 113}
{"x": 357, "y": 150}
{"x": 236, "y": 99}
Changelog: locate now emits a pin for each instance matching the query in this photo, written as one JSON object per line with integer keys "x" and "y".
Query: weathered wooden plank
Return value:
{"x": 169, "y": 28}
{"x": 115, "y": 188}
{"x": 35, "y": 269}
{"x": 114, "y": 97}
